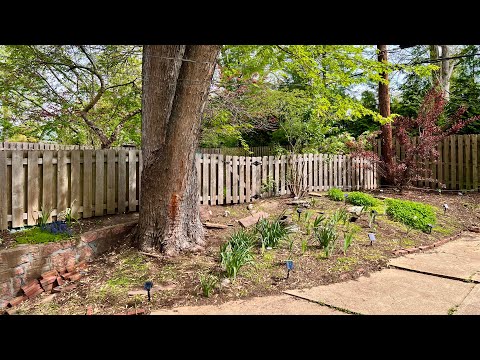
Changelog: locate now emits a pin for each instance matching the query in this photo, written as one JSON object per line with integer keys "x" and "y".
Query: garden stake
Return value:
{"x": 430, "y": 226}
{"x": 299, "y": 211}
{"x": 345, "y": 195}
{"x": 148, "y": 285}
{"x": 289, "y": 267}
{"x": 445, "y": 207}
{"x": 371, "y": 236}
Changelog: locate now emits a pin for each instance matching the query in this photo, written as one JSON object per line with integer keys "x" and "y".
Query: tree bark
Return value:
{"x": 176, "y": 79}
{"x": 384, "y": 108}
{"x": 443, "y": 75}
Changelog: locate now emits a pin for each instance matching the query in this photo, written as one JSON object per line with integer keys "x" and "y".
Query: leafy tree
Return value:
{"x": 73, "y": 94}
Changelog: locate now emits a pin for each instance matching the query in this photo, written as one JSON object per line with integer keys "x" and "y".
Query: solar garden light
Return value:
{"x": 148, "y": 285}
{"x": 299, "y": 211}
{"x": 345, "y": 195}
{"x": 430, "y": 226}
{"x": 445, "y": 208}
{"x": 373, "y": 215}
{"x": 371, "y": 237}
{"x": 289, "y": 267}
{"x": 439, "y": 191}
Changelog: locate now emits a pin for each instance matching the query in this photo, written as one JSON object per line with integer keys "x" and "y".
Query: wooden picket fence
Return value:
{"x": 99, "y": 182}
{"x": 457, "y": 167}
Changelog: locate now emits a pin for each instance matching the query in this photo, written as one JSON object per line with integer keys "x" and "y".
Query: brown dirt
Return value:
{"x": 111, "y": 276}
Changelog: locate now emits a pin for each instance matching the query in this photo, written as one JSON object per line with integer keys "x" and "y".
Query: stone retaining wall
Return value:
{"x": 23, "y": 263}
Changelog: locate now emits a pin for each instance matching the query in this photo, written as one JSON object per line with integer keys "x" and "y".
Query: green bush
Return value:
{"x": 208, "y": 283}
{"x": 414, "y": 214}
{"x": 271, "y": 232}
{"x": 37, "y": 236}
{"x": 236, "y": 252}
{"x": 361, "y": 199}
{"x": 335, "y": 194}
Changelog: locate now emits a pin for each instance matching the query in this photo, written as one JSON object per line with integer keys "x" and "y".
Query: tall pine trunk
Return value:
{"x": 176, "y": 79}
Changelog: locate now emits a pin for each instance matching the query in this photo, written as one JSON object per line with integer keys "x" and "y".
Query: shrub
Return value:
{"x": 325, "y": 233}
{"x": 271, "y": 232}
{"x": 335, "y": 194}
{"x": 362, "y": 199}
{"x": 413, "y": 214}
{"x": 208, "y": 283}
{"x": 236, "y": 252}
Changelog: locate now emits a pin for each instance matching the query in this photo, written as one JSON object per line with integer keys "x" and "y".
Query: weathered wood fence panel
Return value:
{"x": 457, "y": 166}
{"x": 100, "y": 182}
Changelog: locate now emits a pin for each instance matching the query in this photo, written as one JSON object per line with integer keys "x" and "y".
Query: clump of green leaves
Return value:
{"x": 43, "y": 217}
{"x": 335, "y": 194}
{"x": 411, "y": 213}
{"x": 269, "y": 186}
{"x": 237, "y": 252}
{"x": 361, "y": 199}
{"x": 271, "y": 232}
{"x": 208, "y": 282}
{"x": 347, "y": 240}
{"x": 325, "y": 233}
{"x": 304, "y": 245}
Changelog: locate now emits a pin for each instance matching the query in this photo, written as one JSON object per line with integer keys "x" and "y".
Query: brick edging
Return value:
{"x": 426, "y": 247}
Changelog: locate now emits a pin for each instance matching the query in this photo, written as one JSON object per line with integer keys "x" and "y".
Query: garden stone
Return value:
{"x": 357, "y": 210}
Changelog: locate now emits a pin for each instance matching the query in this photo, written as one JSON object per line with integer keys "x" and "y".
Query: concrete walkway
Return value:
{"x": 441, "y": 281}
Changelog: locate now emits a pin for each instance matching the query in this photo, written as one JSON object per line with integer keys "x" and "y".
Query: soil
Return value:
{"x": 110, "y": 277}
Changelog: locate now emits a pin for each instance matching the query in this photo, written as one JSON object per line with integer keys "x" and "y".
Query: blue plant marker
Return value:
{"x": 289, "y": 267}
{"x": 371, "y": 236}
{"x": 148, "y": 285}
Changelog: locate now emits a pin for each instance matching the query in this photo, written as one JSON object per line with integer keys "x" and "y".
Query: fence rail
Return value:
{"x": 457, "y": 167}
{"x": 99, "y": 182}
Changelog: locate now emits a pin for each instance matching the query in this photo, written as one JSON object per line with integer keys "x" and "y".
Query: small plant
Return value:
{"x": 371, "y": 218}
{"x": 347, "y": 240}
{"x": 313, "y": 201}
{"x": 341, "y": 215}
{"x": 325, "y": 233}
{"x": 304, "y": 245}
{"x": 236, "y": 252}
{"x": 58, "y": 227}
{"x": 271, "y": 232}
{"x": 335, "y": 194}
{"x": 208, "y": 282}
{"x": 269, "y": 186}
{"x": 43, "y": 217}
{"x": 411, "y": 213}
{"x": 69, "y": 218}
{"x": 361, "y": 199}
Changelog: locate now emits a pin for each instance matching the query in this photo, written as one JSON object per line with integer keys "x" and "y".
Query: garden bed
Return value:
{"x": 110, "y": 277}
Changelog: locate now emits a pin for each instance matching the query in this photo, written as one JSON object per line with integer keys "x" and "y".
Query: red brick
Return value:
{"x": 17, "y": 300}
{"x": 86, "y": 253}
{"x": 36, "y": 293}
{"x": 49, "y": 249}
{"x": 89, "y": 310}
{"x": 5, "y": 290}
{"x": 49, "y": 274}
{"x": 411, "y": 250}
{"x": 62, "y": 270}
{"x": 60, "y": 281}
{"x": 48, "y": 288}
{"x": 31, "y": 285}
{"x": 89, "y": 236}
{"x": 19, "y": 270}
{"x": 68, "y": 275}
{"x": 402, "y": 252}
{"x": 68, "y": 244}
{"x": 423, "y": 248}
{"x": 75, "y": 277}
{"x": 57, "y": 289}
{"x": 82, "y": 265}
{"x": 25, "y": 258}
{"x": 136, "y": 312}
{"x": 47, "y": 281}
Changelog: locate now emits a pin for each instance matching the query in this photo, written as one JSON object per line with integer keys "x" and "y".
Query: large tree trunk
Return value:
{"x": 443, "y": 75}
{"x": 384, "y": 108}
{"x": 176, "y": 79}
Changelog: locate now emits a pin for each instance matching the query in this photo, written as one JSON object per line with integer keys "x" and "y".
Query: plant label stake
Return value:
{"x": 430, "y": 226}
{"x": 289, "y": 267}
{"x": 371, "y": 236}
{"x": 445, "y": 208}
{"x": 148, "y": 285}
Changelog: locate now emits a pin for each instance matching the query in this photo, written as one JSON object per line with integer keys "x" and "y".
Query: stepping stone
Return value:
{"x": 357, "y": 210}
{"x": 391, "y": 292}
{"x": 252, "y": 220}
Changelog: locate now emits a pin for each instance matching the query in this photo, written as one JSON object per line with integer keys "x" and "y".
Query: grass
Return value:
{"x": 345, "y": 263}
{"x": 37, "y": 236}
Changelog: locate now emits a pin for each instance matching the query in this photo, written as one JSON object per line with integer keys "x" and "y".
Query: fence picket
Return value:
{"x": 33, "y": 188}
{"x": 87, "y": 183}
{"x": 99, "y": 182}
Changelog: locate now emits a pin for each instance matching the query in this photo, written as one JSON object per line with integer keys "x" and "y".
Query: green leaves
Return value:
{"x": 411, "y": 213}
